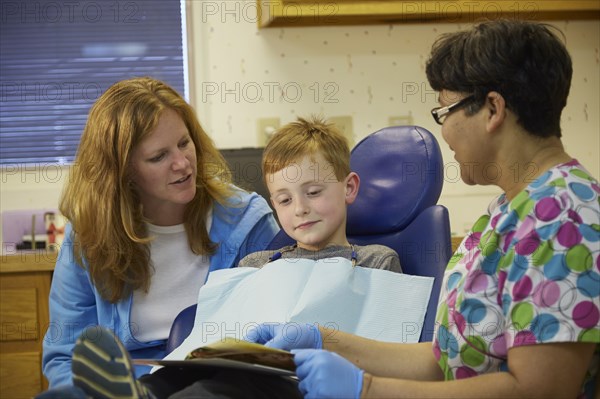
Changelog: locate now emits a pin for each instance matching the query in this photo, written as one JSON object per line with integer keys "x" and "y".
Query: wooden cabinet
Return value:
{"x": 24, "y": 289}
{"x": 277, "y": 13}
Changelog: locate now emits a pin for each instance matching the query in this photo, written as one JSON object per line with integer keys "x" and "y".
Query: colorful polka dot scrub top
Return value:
{"x": 527, "y": 273}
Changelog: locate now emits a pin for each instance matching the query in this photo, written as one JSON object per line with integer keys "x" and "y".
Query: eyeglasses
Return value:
{"x": 440, "y": 113}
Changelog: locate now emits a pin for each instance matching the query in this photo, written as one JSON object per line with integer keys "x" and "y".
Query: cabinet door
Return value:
{"x": 20, "y": 376}
{"x": 23, "y": 321}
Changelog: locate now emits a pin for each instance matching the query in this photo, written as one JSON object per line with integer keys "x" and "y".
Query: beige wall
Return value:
{"x": 370, "y": 73}
{"x": 240, "y": 74}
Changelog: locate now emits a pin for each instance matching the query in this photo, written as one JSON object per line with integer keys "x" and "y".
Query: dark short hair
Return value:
{"x": 525, "y": 62}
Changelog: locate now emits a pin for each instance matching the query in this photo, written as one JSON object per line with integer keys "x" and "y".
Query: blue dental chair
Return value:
{"x": 401, "y": 171}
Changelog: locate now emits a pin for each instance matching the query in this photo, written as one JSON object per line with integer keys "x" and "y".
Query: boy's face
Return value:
{"x": 311, "y": 203}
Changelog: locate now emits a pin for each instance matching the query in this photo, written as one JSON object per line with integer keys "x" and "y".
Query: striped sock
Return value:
{"x": 102, "y": 368}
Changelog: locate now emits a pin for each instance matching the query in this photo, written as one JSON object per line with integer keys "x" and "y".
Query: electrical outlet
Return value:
{"x": 265, "y": 127}
{"x": 402, "y": 120}
{"x": 344, "y": 124}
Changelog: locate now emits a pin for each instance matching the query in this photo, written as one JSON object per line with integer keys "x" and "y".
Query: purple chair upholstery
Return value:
{"x": 401, "y": 171}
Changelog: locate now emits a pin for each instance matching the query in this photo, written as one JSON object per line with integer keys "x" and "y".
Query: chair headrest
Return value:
{"x": 401, "y": 171}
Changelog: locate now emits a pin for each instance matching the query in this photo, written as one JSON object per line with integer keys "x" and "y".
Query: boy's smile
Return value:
{"x": 306, "y": 225}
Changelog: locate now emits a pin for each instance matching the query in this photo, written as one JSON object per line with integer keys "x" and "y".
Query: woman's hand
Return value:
{"x": 286, "y": 336}
{"x": 325, "y": 374}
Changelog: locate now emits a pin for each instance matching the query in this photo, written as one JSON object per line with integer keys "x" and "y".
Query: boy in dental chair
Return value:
{"x": 307, "y": 171}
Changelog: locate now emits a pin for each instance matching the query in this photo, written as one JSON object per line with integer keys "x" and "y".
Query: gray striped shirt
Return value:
{"x": 372, "y": 256}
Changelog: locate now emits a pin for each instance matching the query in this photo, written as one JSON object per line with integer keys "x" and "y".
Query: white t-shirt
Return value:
{"x": 177, "y": 278}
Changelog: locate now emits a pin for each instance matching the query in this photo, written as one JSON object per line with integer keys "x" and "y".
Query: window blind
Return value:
{"x": 57, "y": 58}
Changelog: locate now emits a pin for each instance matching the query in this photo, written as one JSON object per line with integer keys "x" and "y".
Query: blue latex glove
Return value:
{"x": 286, "y": 336}
{"x": 325, "y": 374}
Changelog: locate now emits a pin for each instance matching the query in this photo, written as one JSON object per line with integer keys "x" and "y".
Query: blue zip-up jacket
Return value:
{"x": 245, "y": 227}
